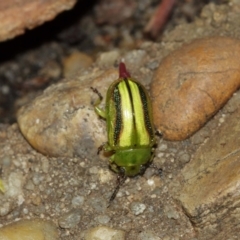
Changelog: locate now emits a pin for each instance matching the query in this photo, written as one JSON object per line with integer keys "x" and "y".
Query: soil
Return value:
{"x": 59, "y": 189}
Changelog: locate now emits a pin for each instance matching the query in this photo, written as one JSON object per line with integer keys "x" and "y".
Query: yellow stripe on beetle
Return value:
{"x": 127, "y": 120}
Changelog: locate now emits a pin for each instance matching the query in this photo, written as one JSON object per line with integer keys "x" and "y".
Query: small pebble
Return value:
{"x": 6, "y": 161}
{"x": 93, "y": 170}
{"x": 173, "y": 150}
{"x": 15, "y": 183}
{"x": 2, "y": 189}
{"x": 163, "y": 147}
{"x": 171, "y": 213}
{"x": 105, "y": 176}
{"x": 153, "y": 65}
{"x": 36, "y": 200}
{"x": 137, "y": 208}
{"x": 232, "y": 104}
{"x": 161, "y": 154}
{"x": 148, "y": 235}
{"x": 45, "y": 165}
{"x": 5, "y": 208}
{"x": 103, "y": 219}
{"x": 104, "y": 233}
{"x": 75, "y": 62}
{"x": 70, "y": 219}
{"x": 108, "y": 58}
{"x": 34, "y": 229}
{"x": 25, "y": 211}
{"x": 150, "y": 172}
{"x": 37, "y": 178}
{"x": 77, "y": 201}
{"x": 29, "y": 185}
{"x": 200, "y": 136}
{"x": 184, "y": 158}
{"x": 135, "y": 57}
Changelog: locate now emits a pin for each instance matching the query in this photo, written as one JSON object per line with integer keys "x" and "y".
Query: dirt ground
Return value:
{"x": 73, "y": 192}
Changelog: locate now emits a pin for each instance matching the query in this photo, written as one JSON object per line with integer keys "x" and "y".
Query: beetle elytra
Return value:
{"x": 130, "y": 130}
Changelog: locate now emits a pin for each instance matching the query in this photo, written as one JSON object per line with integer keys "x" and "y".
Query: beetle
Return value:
{"x": 130, "y": 130}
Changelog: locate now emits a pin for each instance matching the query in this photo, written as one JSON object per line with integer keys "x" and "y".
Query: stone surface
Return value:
{"x": 137, "y": 208}
{"x": 51, "y": 194}
{"x": 192, "y": 83}
{"x": 209, "y": 193}
{"x": 34, "y": 229}
{"x": 18, "y": 15}
{"x": 75, "y": 63}
{"x": 62, "y": 121}
{"x": 2, "y": 189}
{"x": 108, "y": 58}
{"x": 104, "y": 233}
{"x": 70, "y": 219}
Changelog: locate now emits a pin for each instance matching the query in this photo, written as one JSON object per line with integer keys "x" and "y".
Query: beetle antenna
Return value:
{"x": 123, "y": 73}
{"x": 120, "y": 180}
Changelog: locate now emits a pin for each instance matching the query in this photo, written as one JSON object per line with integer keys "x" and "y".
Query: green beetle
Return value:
{"x": 131, "y": 137}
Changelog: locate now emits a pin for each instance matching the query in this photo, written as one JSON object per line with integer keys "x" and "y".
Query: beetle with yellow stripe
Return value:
{"x": 131, "y": 137}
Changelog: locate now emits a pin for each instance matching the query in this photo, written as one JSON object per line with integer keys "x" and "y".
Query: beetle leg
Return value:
{"x": 98, "y": 110}
{"x": 120, "y": 180}
{"x": 100, "y": 148}
{"x": 108, "y": 152}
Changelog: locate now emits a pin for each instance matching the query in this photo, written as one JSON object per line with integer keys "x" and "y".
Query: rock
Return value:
{"x": 15, "y": 17}
{"x": 137, "y": 208}
{"x": 75, "y": 63}
{"x": 209, "y": 192}
{"x": 62, "y": 121}
{"x": 184, "y": 158}
{"x": 193, "y": 83}
{"x": 70, "y": 219}
{"x": 171, "y": 212}
{"x": 15, "y": 183}
{"x": 108, "y": 58}
{"x": 77, "y": 201}
{"x": 147, "y": 235}
{"x": 34, "y": 229}
{"x": 104, "y": 233}
{"x": 103, "y": 219}
{"x": 2, "y": 189}
{"x": 135, "y": 57}
{"x": 5, "y": 208}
